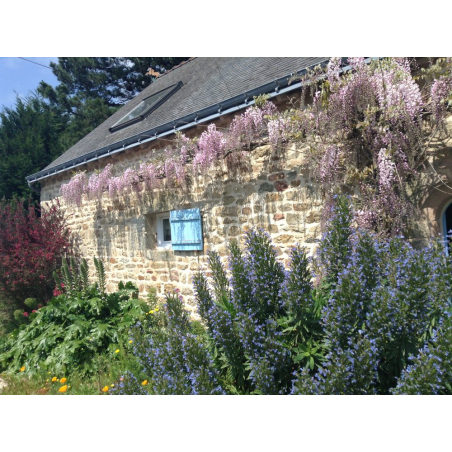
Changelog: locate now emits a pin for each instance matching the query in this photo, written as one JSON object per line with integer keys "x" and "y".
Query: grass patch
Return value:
{"x": 108, "y": 372}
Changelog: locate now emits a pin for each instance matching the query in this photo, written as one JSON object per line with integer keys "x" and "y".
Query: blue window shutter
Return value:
{"x": 186, "y": 230}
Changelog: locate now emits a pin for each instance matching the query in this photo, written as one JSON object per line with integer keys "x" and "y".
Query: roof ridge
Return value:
{"x": 174, "y": 67}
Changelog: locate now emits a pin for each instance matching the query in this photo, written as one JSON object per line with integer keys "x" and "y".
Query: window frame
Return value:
{"x": 118, "y": 125}
{"x": 161, "y": 243}
{"x": 447, "y": 243}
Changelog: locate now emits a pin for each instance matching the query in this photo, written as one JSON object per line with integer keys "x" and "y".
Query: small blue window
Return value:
{"x": 186, "y": 230}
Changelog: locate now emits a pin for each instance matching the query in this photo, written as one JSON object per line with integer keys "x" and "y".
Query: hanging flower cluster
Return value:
{"x": 440, "y": 93}
{"x": 366, "y": 126}
{"x": 74, "y": 189}
{"x": 171, "y": 170}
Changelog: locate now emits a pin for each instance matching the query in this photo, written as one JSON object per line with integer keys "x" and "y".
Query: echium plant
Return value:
{"x": 255, "y": 317}
{"x": 431, "y": 370}
{"x": 376, "y": 322}
{"x": 412, "y": 295}
{"x": 174, "y": 358}
{"x": 387, "y": 294}
{"x": 349, "y": 371}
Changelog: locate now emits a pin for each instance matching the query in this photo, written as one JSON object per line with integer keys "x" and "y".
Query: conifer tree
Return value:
{"x": 29, "y": 140}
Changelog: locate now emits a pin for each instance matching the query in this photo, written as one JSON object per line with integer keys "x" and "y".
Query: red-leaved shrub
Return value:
{"x": 32, "y": 243}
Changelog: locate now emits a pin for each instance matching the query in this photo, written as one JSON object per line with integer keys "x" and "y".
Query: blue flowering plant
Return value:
{"x": 365, "y": 315}
{"x": 431, "y": 371}
{"x": 264, "y": 320}
{"x": 174, "y": 357}
{"x": 383, "y": 291}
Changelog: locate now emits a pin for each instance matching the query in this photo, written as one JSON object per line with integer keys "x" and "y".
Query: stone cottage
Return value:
{"x": 158, "y": 239}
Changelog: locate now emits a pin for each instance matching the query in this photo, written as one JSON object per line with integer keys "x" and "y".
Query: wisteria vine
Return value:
{"x": 366, "y": 125}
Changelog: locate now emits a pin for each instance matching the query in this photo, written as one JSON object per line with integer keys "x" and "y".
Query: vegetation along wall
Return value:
{"x": 275, "y": 195}
{"x": 153, "y": 212}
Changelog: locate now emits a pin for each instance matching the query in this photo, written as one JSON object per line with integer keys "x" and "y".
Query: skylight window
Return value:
{"x": 148, "y": 105}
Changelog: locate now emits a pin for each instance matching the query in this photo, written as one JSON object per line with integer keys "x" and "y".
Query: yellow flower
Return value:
{"x": 54, "y": 379}
{"x": 105, "y": 389}
{"x": 130, "y": 341}
{"x": 117, "y": 350}
{"x": 145, "y": 382}
{"x": 112, "y": 385}
{"x": 63, "y": 388}
{"x": 49, "y": 372}
{"x": 63, "y": 380}
{"x": 151, "y": 312}
{"x": 22, "y": 368}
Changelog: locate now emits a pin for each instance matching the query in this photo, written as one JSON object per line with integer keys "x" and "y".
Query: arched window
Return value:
{"x": 447, "y": 225}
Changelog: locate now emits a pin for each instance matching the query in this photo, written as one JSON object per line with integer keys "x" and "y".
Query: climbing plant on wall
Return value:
{"x": 368, "y": 126}
{"x": 362, "y": 124}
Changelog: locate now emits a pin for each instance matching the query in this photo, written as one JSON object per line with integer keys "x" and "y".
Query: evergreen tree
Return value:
{"x": 29, "y": 141}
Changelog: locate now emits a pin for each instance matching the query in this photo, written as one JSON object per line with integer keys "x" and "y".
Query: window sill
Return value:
{"x": 164, "y": 246}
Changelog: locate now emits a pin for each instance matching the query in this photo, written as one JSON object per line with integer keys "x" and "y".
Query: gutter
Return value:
{"x": 232, "y": 105}
{"x": 33, "y": 187}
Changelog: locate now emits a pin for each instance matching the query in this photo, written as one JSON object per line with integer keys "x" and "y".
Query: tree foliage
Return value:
{"x": 377, "y": 321}
{"x": 32, "y": 244}
{"x": 30, "y": 138}
{"x": 40, "y": 127}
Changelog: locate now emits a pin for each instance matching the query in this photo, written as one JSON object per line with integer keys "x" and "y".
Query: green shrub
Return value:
{"x": 74, "y": 327}
{"x": 31, "y": 303}
{"x": 19, "y": 317}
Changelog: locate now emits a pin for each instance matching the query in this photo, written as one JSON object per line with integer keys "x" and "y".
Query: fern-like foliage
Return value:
{"x": 67, "y": 277}
{"x": 84, "y": 276}
{"x": 74, "y": 277}
{"x": 76, "y": 283}
{"x": 98, "y": 264}
{"x": 57, "y": 279}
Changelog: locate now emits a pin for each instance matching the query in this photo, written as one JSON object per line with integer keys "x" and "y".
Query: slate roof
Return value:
{"x": 207, "y": 82}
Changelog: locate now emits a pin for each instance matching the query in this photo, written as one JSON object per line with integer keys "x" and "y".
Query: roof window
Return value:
{"x": 145, "y": 107}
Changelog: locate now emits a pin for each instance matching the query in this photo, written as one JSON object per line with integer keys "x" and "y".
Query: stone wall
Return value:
{"x": 433, "y": 189}
{"x": 274, "y": 194}
{"x": 277, "y": 193}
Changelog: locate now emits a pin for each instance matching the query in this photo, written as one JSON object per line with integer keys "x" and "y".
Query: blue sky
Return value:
{"x": 22, "y": 77}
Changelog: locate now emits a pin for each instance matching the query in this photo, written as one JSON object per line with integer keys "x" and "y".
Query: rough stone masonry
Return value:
{"x": 277, "y": 193}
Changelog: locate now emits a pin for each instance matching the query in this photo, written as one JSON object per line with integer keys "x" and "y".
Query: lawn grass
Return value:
{"x": 108, "y": 373}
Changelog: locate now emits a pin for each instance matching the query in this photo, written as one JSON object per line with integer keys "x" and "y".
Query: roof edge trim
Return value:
{"x": 232, "y": 105}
